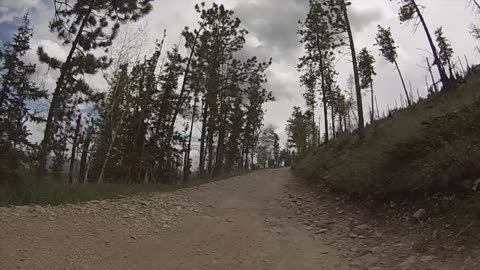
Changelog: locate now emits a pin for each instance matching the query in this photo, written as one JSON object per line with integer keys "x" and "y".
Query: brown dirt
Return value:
{"x": 262, "y": 220}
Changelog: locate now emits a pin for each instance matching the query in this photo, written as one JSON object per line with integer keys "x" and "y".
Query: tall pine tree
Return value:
{"x": 16, "y": 93}
{"x": 83, "y": 27}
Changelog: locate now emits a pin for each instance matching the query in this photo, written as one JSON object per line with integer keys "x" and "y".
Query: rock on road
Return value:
{"x": 246, "y": 222}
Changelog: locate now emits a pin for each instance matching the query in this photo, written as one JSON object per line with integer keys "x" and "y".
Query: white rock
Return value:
{"x": 427, "y": 259}
{"x": 420, "y": 214}
{"x": 321, "y": 231}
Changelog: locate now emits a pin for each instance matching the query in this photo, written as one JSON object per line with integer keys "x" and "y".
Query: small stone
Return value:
{"x": 321, "y": 231}
{"x": 427, "y": 259}
{"x": 392, "y": 204}
{"x": 353, "y": 235}
{"x": 420, "y": 214}
{"x": 408, "y": 262}
{"x": 51, "y": 218}
{"x": 229, "y": 220}
{"x": 371, "y": 260}
{"x": 361, "y": 227}
{"x": 82, "y": 267}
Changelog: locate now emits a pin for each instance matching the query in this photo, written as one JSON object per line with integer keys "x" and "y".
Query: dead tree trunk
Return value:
{"x": 74, "y": 149}
{"x": 84, "y": 157}
{"x": 361, "y": 121}
{"x": 403, "y": 83}
{"x": 437, "y": 62}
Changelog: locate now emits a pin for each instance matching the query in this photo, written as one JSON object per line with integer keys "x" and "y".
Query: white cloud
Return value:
{"x": 14, "y": 9}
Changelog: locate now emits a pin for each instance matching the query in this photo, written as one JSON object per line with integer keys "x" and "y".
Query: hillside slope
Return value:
{"x": 433, "y": 145}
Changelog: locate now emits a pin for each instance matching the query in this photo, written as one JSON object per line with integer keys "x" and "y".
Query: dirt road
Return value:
{"x": 257, "y": 221}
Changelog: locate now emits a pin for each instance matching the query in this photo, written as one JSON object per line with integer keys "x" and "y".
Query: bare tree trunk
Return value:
{"x": 461, "y": 65}
{"x": 87, "y": 171}
{"x": 202, "y": 140}
{"x": 322, "y": 74}
{"x": 372, "y": 118}
{"x": 313, "y": 128}
{"x": 180, "y": 100}
{"x": 345, "y": 121}
{"x": 146, "y": 177}
{"x": 431, "y": 75}
{"x": 253, "y": 156}
{"x": 74, "y": 149}
{"x": 187, "y": 167}
{"x": 246, "y": 156}
{"x": 210, "y": 138}
{"x": 334, "y": 135}
{"x": 340, "y": 119}
{"x": 469, "y": 68}
{"x": 220, "y": 147}
{"x": 354, "y": 115}
{"x": 361, "y": 122}
{"x": 412, "y": 98}
{"x": 219, "y": 159}
{"x": 84, "y": 157}
{"x": 376, "y": 105}
{"x": 110, "y": 147}
{"x": 403, "y": 83}
{"x": 319, "y": 129}
{"x": 477, "y": 4}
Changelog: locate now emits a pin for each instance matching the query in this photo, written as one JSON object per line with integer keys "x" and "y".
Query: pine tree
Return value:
{"x": 411, "y": 11}
{"x": 319, "y": 39}
{"x": 367, "y": 70}
{"x": 445, "y": 50}
{"x": 256, "y": 95}
{"x": 81, "y": 26}
{"x": 388, "y": 49}
{"x": 333, "y": 20}
{"x": 309, "y": 80}
{"x": 144, "y": 108}
{"x": 268, "y": 148}
{"x": 16, "y": 92}
{"x": 298, "y": 129}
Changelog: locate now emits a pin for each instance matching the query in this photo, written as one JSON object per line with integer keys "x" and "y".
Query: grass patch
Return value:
{"x": 432, "y": 146}
{"x": 56, "y": 193}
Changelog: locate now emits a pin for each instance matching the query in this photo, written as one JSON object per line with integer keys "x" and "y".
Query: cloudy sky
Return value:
{"x": 272, "y": 25}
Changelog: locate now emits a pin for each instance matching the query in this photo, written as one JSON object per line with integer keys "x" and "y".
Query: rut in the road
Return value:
{"x": 261, "y": 220}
